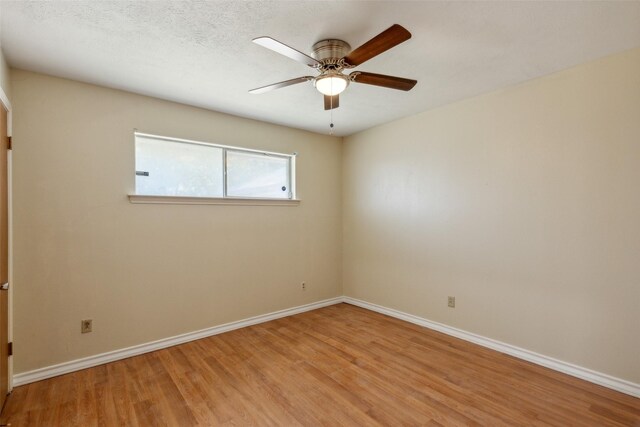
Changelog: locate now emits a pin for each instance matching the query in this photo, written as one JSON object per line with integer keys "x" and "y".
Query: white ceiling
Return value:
{"x": 200, "y": 53}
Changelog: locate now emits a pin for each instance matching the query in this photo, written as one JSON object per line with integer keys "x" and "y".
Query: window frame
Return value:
{"x": 225, "y": 199}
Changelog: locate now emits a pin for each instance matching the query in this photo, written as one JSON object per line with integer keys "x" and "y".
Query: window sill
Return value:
{"x": 185, "y": 200}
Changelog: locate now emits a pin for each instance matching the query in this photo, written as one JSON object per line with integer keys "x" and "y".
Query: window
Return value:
{"x": 177, "y": 167}
{"x": 257, "y": 175}
{"x": 168, "y": 168}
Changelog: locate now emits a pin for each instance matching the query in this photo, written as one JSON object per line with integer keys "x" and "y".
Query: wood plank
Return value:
{"x": 339, "y": 365}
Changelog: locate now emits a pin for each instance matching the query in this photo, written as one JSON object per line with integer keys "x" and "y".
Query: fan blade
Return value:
{"x": 331, "y": 102}
{"x": 278, "y": 85}
{"x": 384, "y": 41}
{"x": 390, "y": 82}
{"x": 287, "y": 51}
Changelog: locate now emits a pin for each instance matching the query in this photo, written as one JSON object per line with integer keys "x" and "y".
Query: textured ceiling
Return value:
{"x": 200, "y": 53}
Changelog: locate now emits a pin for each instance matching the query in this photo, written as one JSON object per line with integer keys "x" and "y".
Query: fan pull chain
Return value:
{"x": 331, "y": 114}
{"x": 331, "y": 124}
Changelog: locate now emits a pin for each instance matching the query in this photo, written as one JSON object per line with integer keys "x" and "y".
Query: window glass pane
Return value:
{"x": 177, "y": 168}
{"x": 257, "y": 175}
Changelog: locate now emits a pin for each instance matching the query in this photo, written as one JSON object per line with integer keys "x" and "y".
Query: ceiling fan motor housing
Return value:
{"x": 330, "y": 51}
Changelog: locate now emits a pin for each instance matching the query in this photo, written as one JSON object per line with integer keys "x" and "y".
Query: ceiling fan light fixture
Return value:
{"x": 331, "y": 84}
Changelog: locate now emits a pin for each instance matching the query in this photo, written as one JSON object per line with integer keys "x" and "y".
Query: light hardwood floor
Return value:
{"x": 340, "y": 365}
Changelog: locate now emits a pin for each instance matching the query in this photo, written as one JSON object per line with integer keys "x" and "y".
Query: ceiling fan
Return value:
{"x": 330, "y": 57}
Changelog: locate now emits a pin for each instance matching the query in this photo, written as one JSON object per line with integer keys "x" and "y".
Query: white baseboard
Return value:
{"x": 111, "y": 356}
{"x": 605, "y": 380}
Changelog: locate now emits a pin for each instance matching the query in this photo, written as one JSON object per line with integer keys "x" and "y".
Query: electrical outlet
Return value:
{"x": 86, "y": 326}
{"x": 303, "y": 286}
{"x": 452, "y": 302}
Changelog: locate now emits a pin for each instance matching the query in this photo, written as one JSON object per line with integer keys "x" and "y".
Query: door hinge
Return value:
{"x": 9, "y": 143}
{"x": 10, "y": 349}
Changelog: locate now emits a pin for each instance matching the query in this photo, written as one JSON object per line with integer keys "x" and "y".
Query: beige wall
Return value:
{"x": 145, "y": 272}
{"x": 4, "y": 70}
{"x": 524, "y": 204}
{"x": 5, "y": 76}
